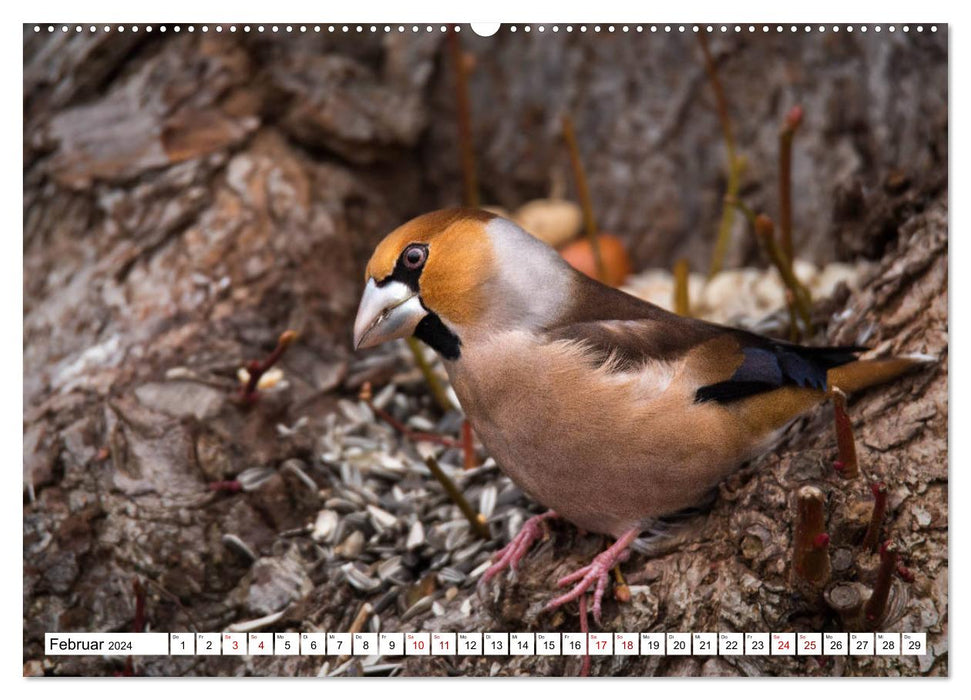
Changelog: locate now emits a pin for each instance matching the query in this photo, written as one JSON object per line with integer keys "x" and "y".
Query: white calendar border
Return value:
{"x": 440, "y": 10}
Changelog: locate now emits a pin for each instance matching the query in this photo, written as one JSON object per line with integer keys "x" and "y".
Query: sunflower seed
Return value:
{"x": 419, "y": 422}
{"x": 368, "y": 494}
{"x": 384, "y": 600}
{"x": 383, "y": 397}
{"x": 422, "y": 605}
{"x": 179, "y": 373}
{"x": 325, "y": 526}
{"x": 487, "y": 500}
{"x": 479, "y": 570}
{"x": 416, "y": 536}
{"x": 358, "y": 579}
{"x": 513, "y": 525}
{"x": 457, "y": 536}
{"x": 389, "y": 568}
{"x": 358, "y": 519}
{"x": 251, "y": 479}
{"x": 382, "y": 519}
{"x": 295, "y": 467}
{"x": 259, "y": 623}
{"x": 354, "y": 412}
{"x": 240, "y": 547}
{"x": 450, "y": 574}
{"x": 509, "y": 494}
{"x": 437, "y": 535}
{"x": 643, "y": 545}
{"x": 351, "y": 547}
{"x": 351, "y": 476}
{"x": 468, "y": 552}
{"x": 363, "y": 443}
{"x": 354, "y": 498}
{"x": 287, "y": 431}
{"x": 339, "y": 670}
{"x": 385, "y": 669}
{"x": 341, "y": 505}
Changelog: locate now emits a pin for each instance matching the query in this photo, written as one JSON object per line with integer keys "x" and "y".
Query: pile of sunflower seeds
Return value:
{"x": 388, "y": 527}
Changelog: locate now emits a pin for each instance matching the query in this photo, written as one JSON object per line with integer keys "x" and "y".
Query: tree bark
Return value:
{"x": 188, "y": 197}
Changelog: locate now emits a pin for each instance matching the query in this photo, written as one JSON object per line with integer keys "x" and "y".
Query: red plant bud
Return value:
{"x": 794, "y": 118}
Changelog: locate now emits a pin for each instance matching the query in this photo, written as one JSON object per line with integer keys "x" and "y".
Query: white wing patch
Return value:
{"x": 647, "y": 380}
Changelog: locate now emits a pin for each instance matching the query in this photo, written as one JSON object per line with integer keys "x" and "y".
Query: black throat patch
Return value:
{"x": 438, "y": 337}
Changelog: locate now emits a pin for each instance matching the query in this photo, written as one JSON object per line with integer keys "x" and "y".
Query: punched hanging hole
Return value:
{"x": 485, "y": 28}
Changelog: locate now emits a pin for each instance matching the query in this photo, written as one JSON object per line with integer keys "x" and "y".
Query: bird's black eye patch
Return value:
{"x": 408, "y": 268}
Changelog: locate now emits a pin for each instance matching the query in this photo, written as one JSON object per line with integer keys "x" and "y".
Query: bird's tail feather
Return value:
{"x": 866, "y": 373}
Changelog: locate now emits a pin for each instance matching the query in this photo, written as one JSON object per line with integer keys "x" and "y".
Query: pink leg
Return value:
{"x": 596, "y": 572}
{"x": 510, "y": 555}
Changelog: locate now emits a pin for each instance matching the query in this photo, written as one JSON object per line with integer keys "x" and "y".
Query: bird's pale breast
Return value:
{"x": 607, "y": 450}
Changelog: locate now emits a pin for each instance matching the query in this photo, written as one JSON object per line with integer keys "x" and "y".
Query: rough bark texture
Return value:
{"x": 187, "y": 197}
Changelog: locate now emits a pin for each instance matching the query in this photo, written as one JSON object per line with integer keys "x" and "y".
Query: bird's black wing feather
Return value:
{"x": 768, "y": 364}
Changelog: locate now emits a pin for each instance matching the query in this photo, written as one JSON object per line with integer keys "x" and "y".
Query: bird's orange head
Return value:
{"x": 452, "y": 272}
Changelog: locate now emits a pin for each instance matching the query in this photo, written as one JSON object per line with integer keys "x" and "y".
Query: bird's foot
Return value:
{"x": 510, "y": 555}
{"x": 596, "y": 574}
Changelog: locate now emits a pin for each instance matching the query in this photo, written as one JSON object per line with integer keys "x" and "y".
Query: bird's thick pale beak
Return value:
{"x": 390, "y": 311}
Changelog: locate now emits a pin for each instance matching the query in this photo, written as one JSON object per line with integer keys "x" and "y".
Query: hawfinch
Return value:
{"x": 604, "y": 408}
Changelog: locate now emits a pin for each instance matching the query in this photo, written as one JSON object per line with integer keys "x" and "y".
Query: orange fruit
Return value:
{"x": 616, "y": 262}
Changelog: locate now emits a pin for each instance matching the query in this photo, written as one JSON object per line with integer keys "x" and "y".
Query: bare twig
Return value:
{"x": 257, "y": 368}
{"x": 468, "y": 445}
{"x": 876, "y": 606}
{"x": 361, "y": 618}
{"x": 765, "y": 232}
{"x": 621, "y": 589}
{"x": 363, "y": 613}
{"x": 413, "y": 435}
{"x": 585, "y": 628}
{"x": 735, "y": 163}
{"x": 742, "y": 207}
{"x": 138, "y": 624}
{"x": 790, "y": 297}
{"x": 682, "y": 304}
{"x": 793, "y": 119}
{"x": 476, "y": 519}
{"x": 872, "y": 535}
{"x": 583, "y": 192}
{"x": 470, "y": 186}
{"x": 431, "y": 379}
